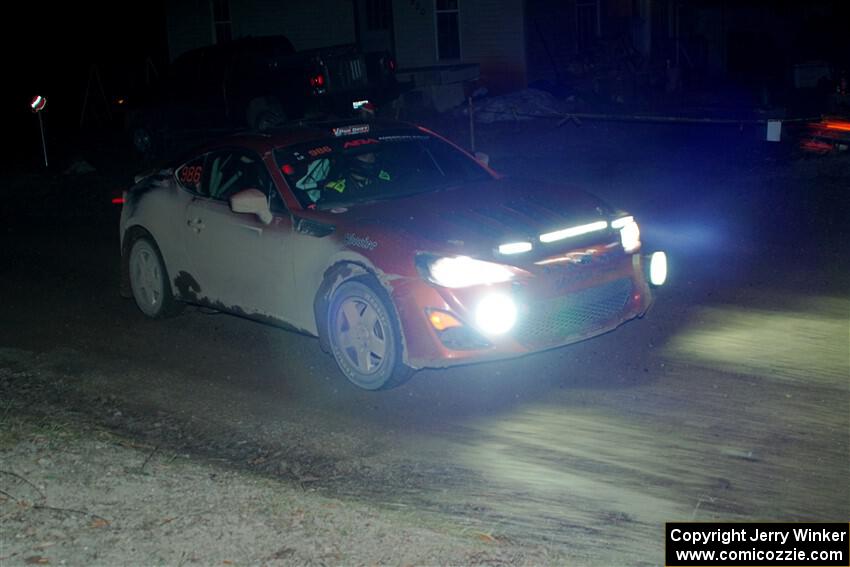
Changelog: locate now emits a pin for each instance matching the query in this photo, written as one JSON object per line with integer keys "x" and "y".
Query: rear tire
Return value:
{"x": 149, "y": 282}
{"x": 365, "y": 337}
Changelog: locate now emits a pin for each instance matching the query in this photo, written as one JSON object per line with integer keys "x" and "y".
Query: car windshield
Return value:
{"x": 349, "y": 169}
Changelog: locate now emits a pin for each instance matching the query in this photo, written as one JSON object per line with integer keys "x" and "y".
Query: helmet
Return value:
{"x": 364, "y": 167}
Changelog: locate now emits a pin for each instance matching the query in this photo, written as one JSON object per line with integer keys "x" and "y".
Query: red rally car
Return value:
{"x": 394, "y": 247}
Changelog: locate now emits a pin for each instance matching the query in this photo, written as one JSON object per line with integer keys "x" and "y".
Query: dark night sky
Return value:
{"x": 54, "y": 48}
{"x": 78, "y": 33}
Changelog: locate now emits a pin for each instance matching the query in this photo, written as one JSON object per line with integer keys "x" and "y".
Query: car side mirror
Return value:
{"x": 483, "y": 158}
{"x": 252, "y": 201}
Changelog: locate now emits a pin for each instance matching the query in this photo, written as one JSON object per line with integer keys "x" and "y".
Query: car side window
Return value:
{"x": 191, "y": 174}
{"x": 233, "y": 171}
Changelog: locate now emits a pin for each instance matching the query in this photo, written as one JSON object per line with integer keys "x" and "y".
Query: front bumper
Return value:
{"x": 558, "y": 306}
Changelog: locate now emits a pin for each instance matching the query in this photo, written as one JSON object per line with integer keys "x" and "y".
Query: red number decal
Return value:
{"x": 319, "y": 151}
{"x": 191, "y": 175}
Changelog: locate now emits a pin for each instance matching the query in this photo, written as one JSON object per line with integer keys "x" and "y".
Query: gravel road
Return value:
{"x": 214, "y": 440}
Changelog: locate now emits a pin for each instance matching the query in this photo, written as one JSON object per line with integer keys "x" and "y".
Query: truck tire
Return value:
{"x": 264, "y": 114}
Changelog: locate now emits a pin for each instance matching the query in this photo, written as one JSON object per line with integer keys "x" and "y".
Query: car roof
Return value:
{"x": 298, "y": 133}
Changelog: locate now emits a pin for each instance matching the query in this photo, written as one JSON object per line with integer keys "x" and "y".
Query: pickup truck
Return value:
{"x": 255, "y": 83}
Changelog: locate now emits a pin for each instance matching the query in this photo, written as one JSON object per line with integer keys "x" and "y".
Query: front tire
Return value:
{"x": 149, "y": 281}
{"x": 265, "y": 114}
{"x": 364, "y": 336}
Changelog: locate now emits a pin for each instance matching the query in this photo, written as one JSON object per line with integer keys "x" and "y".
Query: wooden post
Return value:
{"x": 43, "y": 141}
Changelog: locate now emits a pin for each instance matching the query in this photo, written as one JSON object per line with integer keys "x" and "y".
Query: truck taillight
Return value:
{"x": 317, "y": 81}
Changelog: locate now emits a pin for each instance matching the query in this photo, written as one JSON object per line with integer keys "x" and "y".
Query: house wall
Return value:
{"x": 304, "y": 22}
{"x": 415, "y": 37}
{"x": 492, "y": 31}
{"x": 492, "y": 34}
{"x": 189, "y": 24}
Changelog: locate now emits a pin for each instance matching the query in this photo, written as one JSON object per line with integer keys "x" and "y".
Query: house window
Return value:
{"x": 221, "y": 21}
{"x": 448, "y": 30}
{"x": 378, "y": 15}
{"x": 587, "y": 24}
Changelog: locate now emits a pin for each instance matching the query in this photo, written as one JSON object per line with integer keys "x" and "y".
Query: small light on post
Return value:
{"x": 38, "y": 103}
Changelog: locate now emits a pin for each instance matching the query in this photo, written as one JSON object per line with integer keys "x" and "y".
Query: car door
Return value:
{"x": 238, "y": 261}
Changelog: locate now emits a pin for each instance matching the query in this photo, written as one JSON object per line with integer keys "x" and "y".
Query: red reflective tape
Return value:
{"x": 843, "y": 126}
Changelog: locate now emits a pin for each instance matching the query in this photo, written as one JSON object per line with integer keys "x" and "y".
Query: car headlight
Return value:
{"x": 629, "y": 233}
{"x": 463, "y": 271}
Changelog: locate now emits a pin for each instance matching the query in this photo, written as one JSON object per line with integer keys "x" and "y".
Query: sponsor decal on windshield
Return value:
{"x": 360, "y": 142}
{"x": 350, "y": 130}
{"x": 401, "y": 138}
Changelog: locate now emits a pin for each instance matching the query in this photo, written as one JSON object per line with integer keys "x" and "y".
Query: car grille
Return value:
{"x": 555, "y": 320}
{"x": 355, "y": 69}
{"x": 349, "y": 72}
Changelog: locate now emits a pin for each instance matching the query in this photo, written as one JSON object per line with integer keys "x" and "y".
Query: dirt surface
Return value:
{"x": 78, "y": 493}
{"x": 211, "y": 439}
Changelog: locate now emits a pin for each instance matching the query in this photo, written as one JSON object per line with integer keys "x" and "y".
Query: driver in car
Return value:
{"x": 362, "y": 171}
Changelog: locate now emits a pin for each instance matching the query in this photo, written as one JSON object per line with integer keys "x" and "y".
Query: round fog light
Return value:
{"x": 496, "y": 314}
{"x": 658, "y": 268}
